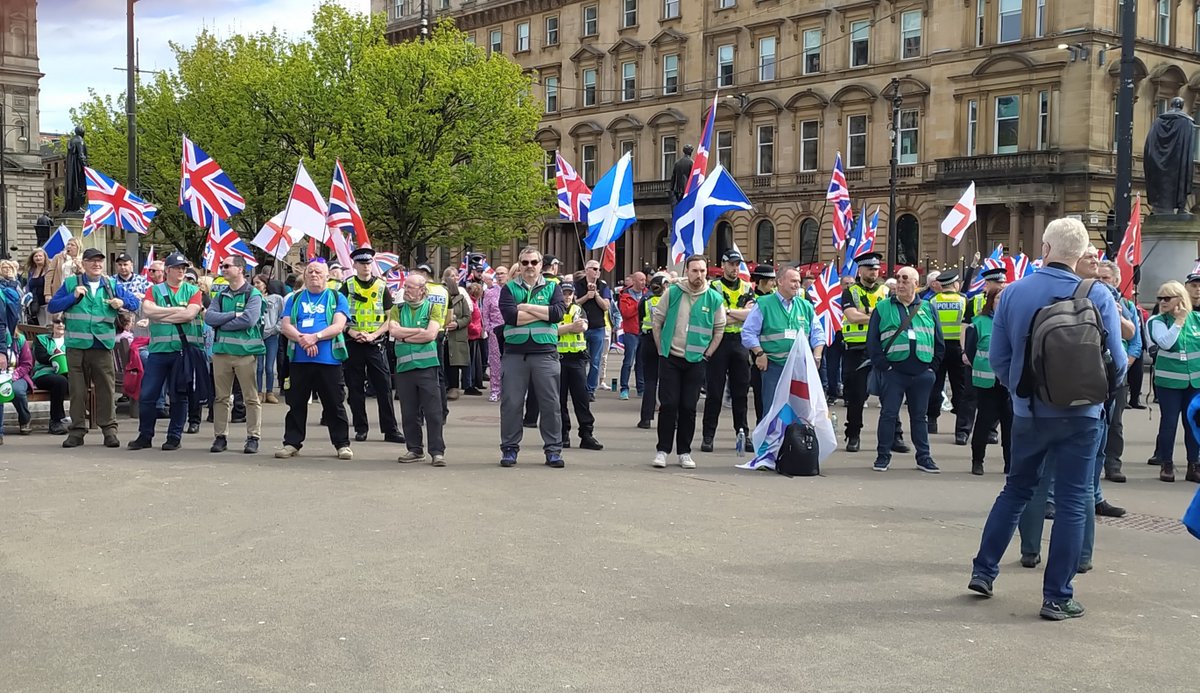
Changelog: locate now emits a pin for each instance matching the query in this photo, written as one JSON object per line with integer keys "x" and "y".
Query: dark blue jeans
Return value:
{"x": 595, "y": 347}
{"x": 831, "y": 367}
{"x": 1172, "y": 408}
{"x": 631, "y": 362}
{"x": 159, "y": 369}
{"x": 1073, "y": 441}
{"x": 896, "y": 388}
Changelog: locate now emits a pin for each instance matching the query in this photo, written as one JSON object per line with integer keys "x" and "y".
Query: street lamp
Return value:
{"x": 5, "y": 128}
{"x": 893, "y": 136}
{"x": 131, "y": 238}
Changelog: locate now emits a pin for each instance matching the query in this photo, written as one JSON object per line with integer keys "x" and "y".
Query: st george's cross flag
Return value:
{"x": 306, "y": 210}
{"x": 696, "y": 214}
{"x": 205, "y": 190}
{"x": 611, "y": 211}
{"x": 275, "y": 237}
{"x": 112, "y": 204}
{"x": 961, "y": 216}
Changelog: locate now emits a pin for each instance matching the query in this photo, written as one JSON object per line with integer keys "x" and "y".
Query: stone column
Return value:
{"x": 1033, "y": 249}
{"x": 1014, "y": 227}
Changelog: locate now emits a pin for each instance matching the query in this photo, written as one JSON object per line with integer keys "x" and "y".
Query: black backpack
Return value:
{"x": 798, "y": 452}
{"x": 1065, "y": 350}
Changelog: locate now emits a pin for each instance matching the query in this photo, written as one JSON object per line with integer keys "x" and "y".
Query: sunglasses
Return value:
{"x": 1165, "y": 298}
{"x": 228, "y": 266}
{"x": 56, "y": 322}
{"x": 531, "y": 263}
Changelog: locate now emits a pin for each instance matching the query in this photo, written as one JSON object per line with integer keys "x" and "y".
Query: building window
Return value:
{"x": 766, "y": 59}
{"x": 444, "y": 4}
{"x": 551, "y": 31}
{"x": 812, "y": 51}
{"x": 589, "y": 164}
{"x": 670, "y": 9}
{"x": 906, "y": 145}
{"x": 908, "y": 239}
{"x": 1196, "y": 38}
{"x": 1043, "y": 139}
{"x": 628, "y": 81}
{"x": 550, "y": 166}
{"x": 725, "y": 149}
{"x": 523, "y": 36}
{"x": 552, "y": 95}
{"x": 860, "y": 43}
{"x": 495, "y": 43}
{"x": 589, "y": 87}
{"x": 627, "y": 147}
{"x": 766, "y": 150}
{"x": 726, "y": 4}
{"x": 725, "y": 65}
{"x": 809, "y": 130}
{"x": 591, "y": 20}
{"x": 630, "y": 16}
{"x": 724, "y": 237}
{"x": 910, "y": 34}
{"x": 1008, "y": 124}
{"x": 1010, "y": 21}
{"x": 980, "y": 15}
{"x": 972, "y": 127}
{"x": 764, "y": 241}
{"x": 670, "y": 74}
{"x": 810, "y": 239}
{"x": 1163, "y": 26}
{"x": 471, "y": 39}
{"x": 669, "y": 154}
{"x": 1039, "y": 25}
{"x": 856, "y": 141}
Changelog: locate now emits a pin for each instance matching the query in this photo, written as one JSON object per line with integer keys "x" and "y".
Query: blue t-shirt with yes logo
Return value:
{"x": 311, "y": 318}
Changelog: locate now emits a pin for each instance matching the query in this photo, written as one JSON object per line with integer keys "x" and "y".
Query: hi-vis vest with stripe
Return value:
{"x": 732, "y": 298}
{"x": 648, "y": 313}
{"x": 366, "y": 303}
{"x": 701, "y": 319}
{"x": 91, "y": 319}
{"x": 982, "y": 374}
{"x": 247, "y": 341}
{"x": 857, "y": 334}
{"x": 950, "y": 306}
{"x": 410, "y": 357}
{"x": 164, "y": 337}
{"x": 571, "y": 342}
{"x": 781, "y": 327}
{"x": 1178, "y": 368}
{"x": 541, "y": 331}
{"x": 890, "y": 317}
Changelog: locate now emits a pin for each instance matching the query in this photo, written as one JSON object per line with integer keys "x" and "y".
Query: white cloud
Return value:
{"x": 80, "y": 42}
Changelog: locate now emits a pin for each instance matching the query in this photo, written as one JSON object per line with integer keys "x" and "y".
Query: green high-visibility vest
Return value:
{"x": 648, "y": 313}
{"x": 1178, "y": 368}
{"x": 571, "y": 342}
{"x": 864, "y": 300}
{"x": 366, "y": 303}
{"x": 781, "y": 326}
{"x": 410, "y": 357}
{"x": 701, "y": 319}
{"x": 164, "y": 337}
{"x": 91, "y": 319}
{"x": 950, "y": 307}
{"x": 890, "y": 317}
{"x": 244, "y": 342}
{"x": 47, "y": 342}
{"x": 982, "y": 374}
{"x": 541, "y": 331}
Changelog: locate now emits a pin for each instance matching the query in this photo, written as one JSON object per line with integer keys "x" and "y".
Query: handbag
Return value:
{"x": 875, "y": 378}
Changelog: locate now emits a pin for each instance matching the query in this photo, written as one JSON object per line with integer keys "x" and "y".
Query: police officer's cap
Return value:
{"x": 762, "y": 271}
{"x": 566, "y": 287}
{"x": 176, "y": 260}
{"x": 91, "y": 253}
{"x": 190, "y": 275}
{"x": 1193, "y": 277}
{"x": 658, "y": 280}
{"x": 732, "y": 255}
{"x": 335, "y": 265}
{"x": 423, "y": 267}
{"x": 548, "y": 260}
{"x": 364, "y": 254}
{"x": 124, "y": 257}
{"x": 992, "y": 274}
{"x": 869, "y": 259}
{"x": 948, "y": 277}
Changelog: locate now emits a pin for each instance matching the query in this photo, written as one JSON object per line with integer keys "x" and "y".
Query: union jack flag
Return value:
{"x": 111, "y": 204}
{"x": 223, "y": 242}
{"x": 88, "y": 225}
{"x": 395, "y": 284}
{"x": 828, "y": 292}
{"x": 385, "y": 262}
{"x": 1021, "y": 265}
{"x": 343, "y": 208}
{"x": 839, "y": 195}
{"x": 463, "y": 268}
{"x": 205, "y": 190}
{"x": 700, "y": 162}
{"x": 977, "y": 283}
{"x": 149, "y": 261}
{"x": 574, "y": 196}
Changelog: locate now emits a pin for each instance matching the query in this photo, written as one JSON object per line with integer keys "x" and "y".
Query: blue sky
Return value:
{"x": 81, "y": 41}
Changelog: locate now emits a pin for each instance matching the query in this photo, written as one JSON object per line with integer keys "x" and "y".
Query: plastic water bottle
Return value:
{"x": 834, "y": 417}
{"x": 741, "y": 442}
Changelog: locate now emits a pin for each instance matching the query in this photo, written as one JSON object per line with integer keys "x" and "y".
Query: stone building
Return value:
{"x": 1018, "y": 96}
{"x": 23, "y": 191}
{"x": 54, "y": 162}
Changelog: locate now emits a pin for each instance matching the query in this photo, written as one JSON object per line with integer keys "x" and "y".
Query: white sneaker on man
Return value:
{"x": 660, "y": 460}
{"x": 345, "y": 453}
{"x": 686, "y": 461}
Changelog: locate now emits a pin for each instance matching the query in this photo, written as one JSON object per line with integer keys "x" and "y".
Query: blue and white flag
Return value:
{"x": 58, "y": 242}
{"x": 696, "y": 214}
{"x": 611, "y": 210}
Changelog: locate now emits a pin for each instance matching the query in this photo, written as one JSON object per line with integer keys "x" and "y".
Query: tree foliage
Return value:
{"x": 436, "y": 136}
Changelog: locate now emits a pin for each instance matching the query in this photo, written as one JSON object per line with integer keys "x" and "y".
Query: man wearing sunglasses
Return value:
{"x": 366, "y": 337}
{"x": 235, "y": 316}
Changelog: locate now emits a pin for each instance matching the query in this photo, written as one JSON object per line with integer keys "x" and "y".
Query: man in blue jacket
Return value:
{"x": 1071, "y": 434}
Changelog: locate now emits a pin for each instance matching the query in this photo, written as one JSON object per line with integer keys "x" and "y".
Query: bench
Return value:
{"x": 31, "y": 332}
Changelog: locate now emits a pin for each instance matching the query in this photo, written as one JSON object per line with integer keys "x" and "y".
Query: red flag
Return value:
{"x": 609, "y": 261}
{"x": 1129, "y": 256}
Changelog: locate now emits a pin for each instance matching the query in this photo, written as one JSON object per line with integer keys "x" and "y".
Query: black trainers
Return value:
{"x": 852, "y": 444}
{"x": 1061, "y": 611}
{"x": 591, "y": 443}
{"x": 193, "y": 427}
{"x": 360, "y": 436}
{"x": 1030, "y": 560}
{"x": 171, "y": 444}
{"x": 394, "y": 438}
{"x": 981, "y": 585}
{"x": 960, "y": 438}
{"x": 706, "y": 445}
{"x": 251, "y": 446}
{"x": 977, "y": 467}
{"x": 899, "y": 446}
{"x": 1106, "y": 509}
{"x": 138, "y": 443}
{"x": 220, "y": 443}
{"x": 643, "y": 424}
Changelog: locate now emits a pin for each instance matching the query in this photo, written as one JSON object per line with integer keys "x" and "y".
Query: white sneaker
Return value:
{"x": 605, "y": 386}
{"x": 345, "y": 453}
{"x": 285, "y": 452}
{"x": 687, "y": 462}
{"x": 660, "y": 460}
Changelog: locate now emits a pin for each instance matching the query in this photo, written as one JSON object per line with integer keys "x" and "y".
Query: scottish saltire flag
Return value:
{"x": 839, "y": 195}
{"x": 700, "y": 161}
{"x": 205, "y": 191}
{"x": 977, "y": 283}
{"x": 611, "y": 210}
{"x": 799, "y": 397}
{"x": 827, "y": 292}
{"x": 574, "y": 196}
{"x": 112, "y": 204}
{"x": 872, "y": 230}
{"x": 694, "y": 217}
{"x": 998, "y": 253}
{"x": 57, "y": 243}
{"x": 222, "y": 242}
{"x": 343, "y": 208}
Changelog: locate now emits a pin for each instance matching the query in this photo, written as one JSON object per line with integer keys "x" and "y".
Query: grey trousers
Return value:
{"x": 540, "y": 374}
{"x": 420, "y": 392}
{"x": 1114, "y": 447}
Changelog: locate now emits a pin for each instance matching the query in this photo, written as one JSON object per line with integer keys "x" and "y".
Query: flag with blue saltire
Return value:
{"x": 798, "y": 397}
{"x": 112, "y": 204}
{"x": 611, "y": 210}
{"x": 696, "y": 214}
{"x": 205, "y": 190}
{"x": 861, "y": 241}
{"x": 57, "y": 242}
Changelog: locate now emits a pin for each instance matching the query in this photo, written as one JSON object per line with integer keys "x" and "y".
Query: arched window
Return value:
{"x": 810, "y": 240}
{"x": 724, "y": 237}
{"x": 764, "y": 233}
{"x": 908, "y": 237}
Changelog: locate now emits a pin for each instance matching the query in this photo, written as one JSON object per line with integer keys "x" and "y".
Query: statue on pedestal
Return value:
{"x": 1168, "y": 156}
{"x": 75, "y": 193}
{"x": 680, "y": 175}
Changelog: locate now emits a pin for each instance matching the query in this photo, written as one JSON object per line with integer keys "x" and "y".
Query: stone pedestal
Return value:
{"x": 74, "y": 222}
{"x": 1169, "y": 251}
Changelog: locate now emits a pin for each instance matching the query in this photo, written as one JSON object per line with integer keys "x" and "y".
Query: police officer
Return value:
{"x": 415, "y": 331}
{"x": 573, "y": 358}
{"x": 648, "y": 352}
{"x": 858, "y": 301}
{"x": 335, "y": 276}
{"x": 764, "y": 278}
{"x": 950, "y": 307}
{"x": 366, "y": 340}
{"x": 731, "y": 360}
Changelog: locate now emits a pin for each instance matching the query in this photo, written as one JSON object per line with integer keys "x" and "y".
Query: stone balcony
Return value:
{"x": 997, "y": 166}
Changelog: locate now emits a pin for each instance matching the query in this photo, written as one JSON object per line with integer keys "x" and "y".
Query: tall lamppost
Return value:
{"x": 1122, "y": 202}
{"x": 894, "y": 136}
{"x": 131, "y": 238}
{"x": 5, "y": 128}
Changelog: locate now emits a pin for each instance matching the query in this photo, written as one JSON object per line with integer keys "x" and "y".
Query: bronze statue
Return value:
{"x": 680, "y": 175}
{"x": 76, "y": 189}
{"x": 1167, "y": 162}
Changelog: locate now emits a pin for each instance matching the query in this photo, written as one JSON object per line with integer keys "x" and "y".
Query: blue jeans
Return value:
{"x": 1033, "y": 520}
{"x": 770, "y": 381}
{"x": 20, "y": 402}
{"x": 896, "y": 387}
{"x": 595, "y": 347}
{"x": 265, "y": 373}
{"x": 1073, "y": 441}
{"x": 1172, "y": 408}
{"x": 159, "y": 371}
{"x": 831, "y": 366}
{"x": 631, "y": 362}
{"x": 161, "y": 401}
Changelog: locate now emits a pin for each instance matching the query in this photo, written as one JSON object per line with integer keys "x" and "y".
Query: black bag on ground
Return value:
{"x": 1065, "y": 350}
{"x": 798, "y": 452}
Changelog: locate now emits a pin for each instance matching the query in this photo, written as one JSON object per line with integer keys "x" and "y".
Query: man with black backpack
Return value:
{"x": 1053, "y": 337}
